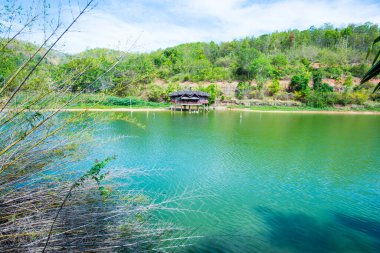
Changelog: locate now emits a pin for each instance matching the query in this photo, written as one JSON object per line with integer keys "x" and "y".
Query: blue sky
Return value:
{"x": 145, "y": 25}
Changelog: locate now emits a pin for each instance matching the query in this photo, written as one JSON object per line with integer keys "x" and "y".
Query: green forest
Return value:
{"x": 317, "y": 67}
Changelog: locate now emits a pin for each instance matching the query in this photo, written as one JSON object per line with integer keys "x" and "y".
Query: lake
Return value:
{"x": 261, "y": 182}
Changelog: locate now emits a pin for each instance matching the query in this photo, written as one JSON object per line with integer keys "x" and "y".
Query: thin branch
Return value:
{"x": 18, "y": 33}
{"x": 45, "y": 54}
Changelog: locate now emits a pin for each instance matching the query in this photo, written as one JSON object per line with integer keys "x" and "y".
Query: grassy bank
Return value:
{"x": 99, "y": 101}
{"x": 107, "y": 102}
{"x": 305, "y": 108}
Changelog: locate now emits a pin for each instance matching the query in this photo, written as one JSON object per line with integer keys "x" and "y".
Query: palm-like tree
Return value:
{"x": 375, "y": 69}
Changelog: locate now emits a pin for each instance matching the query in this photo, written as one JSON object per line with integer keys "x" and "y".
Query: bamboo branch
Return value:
{"x": 45, "y": 54}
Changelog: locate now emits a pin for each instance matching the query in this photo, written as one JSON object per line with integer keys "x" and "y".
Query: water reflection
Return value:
{"x": 299, "y": 232}
{"x": 361, "y": 224}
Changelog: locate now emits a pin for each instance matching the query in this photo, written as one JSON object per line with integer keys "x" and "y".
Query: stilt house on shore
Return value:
{"x": 188, "y": 100}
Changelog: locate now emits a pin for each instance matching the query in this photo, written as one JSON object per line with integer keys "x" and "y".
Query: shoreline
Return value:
{"x": 113, "y": 109}
{"x": 308, "y": 111}
{"x": 220, "y": 108}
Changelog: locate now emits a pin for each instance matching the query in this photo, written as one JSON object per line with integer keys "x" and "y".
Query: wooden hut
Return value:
{"x": 186, "y": 100}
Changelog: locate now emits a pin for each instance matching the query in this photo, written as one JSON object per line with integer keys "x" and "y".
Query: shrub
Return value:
{"x": 359, "y": 70}
{"x": 257, "y": 94}
{"x": 321, "y": 99}
{"x": 334, "y": 73}
{"x": 243, "y": 89}
{"x": 359, "y": 97}
{"x": 325, "y": 88}
{"x": 305, "y": 62}
{"x": 375, "y": 96}
{"x": 372, "y": 105}
{"x": 172, "y": 87}
{"x": 299, "y": 95}
{"x": 274, "y": 87}
{"x": 348, "y": 82}
{"x": 317, "y": 79}
{"x": 284, "y": 96}
{"x": 156, "y": 93}
{"x": 279, "y": 61}
{"x": 344, "y": 99}
{"x": 365, "y": 86}
{"x": 299, "y": 82}
{"x": 127, "y": 101}
{"x": 214, "y": 92}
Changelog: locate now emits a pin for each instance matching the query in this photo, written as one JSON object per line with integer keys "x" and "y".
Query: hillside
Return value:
{"x": 287, "y": 64}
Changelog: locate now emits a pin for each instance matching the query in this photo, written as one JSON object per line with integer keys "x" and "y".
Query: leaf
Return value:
{"x": 376, "y": 40}
{"x": 377, "y": 88}
{"x": 369, "y": 51}
{"x": 376, "y": 57}
{"x": 371, "y": 47}
{"x": 374, "y": 71}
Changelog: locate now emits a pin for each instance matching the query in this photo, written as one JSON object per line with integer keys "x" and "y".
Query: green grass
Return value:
{"x": 106, "y": 101}
{"x": 99, "y": 101}
{"x": 304, "y": 108}
{"x": 100, "y": 106}
{"x": 102, "y": 101}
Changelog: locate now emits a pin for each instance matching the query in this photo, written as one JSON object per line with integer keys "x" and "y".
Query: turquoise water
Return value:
{"x": 261, "y": 182}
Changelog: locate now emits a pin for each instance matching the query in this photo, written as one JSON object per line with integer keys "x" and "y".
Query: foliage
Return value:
{"x": 243, "y": 89}
{"x": 359, "y": 70}
{"x": 375, "y": 70}
{"x": 299, "y": 82}
{"x": 261, "y": 67}
{"x": 317, "y": 79}
{"x": 326, "y": 52}
{"x": 155, "y": 93}
{"x": 214, "y": 92}
{"x": 282, "y": 95}
{"x": 358, "y": 97}
{"x": 94, "y": 173}
{"x": 333, "y": 72}
{"x": 93, "y": 99}
{"x": 274, "y": 87}
{"x": 321, "y": 99}
{"x": 325, "y": 87}
{"x": 277, "y": 55}
{"x": 348, "y": 82}
{"x": 170, "y": 88}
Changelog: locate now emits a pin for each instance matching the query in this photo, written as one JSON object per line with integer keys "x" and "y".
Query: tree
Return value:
{"x": 261, "y": 67}
{"x": 279, "y": 61}
{"x": 214, "y": 92}
{"x": 212, "y": 52}
{"x": 243, "y": 60}
{"x": 375, "y": 70}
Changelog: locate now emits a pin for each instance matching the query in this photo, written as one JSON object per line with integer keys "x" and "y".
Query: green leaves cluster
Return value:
{"x": 214, "y": 92}
{"x": 95, "y": 174}
{"x": 299, "y": 82}
{"x": 375, "y": 70}
{"x": 274, "y": 87}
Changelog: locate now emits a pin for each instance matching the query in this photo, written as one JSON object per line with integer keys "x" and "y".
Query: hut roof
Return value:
{"x": 189, "y": 93}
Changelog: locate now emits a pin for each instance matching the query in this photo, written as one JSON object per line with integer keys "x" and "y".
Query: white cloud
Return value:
{"x": 167, "y": 23}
